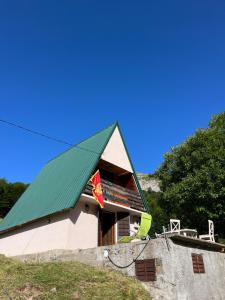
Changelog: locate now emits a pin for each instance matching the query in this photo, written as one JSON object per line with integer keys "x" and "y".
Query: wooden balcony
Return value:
{"x": 118, "y": 194}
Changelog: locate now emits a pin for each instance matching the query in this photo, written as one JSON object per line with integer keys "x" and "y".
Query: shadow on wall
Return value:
{"x": 84, "y": 208}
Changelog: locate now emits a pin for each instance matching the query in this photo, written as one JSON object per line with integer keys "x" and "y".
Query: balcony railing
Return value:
{"x": 118, "y": 194}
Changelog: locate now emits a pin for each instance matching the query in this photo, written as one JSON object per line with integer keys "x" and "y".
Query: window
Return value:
{"x": 198, "y": 264}
{"x": 145, "y": 269}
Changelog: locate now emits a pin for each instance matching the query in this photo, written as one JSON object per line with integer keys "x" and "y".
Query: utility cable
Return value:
{"x": 46, "y": 136}
{"x": 133, "y": 261}
{"x": 36, "y": 132}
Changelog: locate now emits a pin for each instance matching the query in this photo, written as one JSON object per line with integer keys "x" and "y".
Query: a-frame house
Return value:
{"x": 58, "y": 210}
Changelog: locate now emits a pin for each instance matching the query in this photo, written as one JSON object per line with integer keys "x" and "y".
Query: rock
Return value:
{"x": 148, "y": 184}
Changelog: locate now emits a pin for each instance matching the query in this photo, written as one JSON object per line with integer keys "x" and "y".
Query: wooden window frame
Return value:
{"x": 145, "y": 270}
{"x": 198, "y": 263}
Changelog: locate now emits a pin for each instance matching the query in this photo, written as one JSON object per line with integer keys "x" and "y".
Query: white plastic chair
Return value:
{"x": 175, "y": 225}
{"x": 158, "y": 235}
{"x": 210, "y": 236}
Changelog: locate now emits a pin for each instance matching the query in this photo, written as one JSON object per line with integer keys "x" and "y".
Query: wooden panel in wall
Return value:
{"x": 145, "y": 270}
{"x": 198, "y": 264}
{"x": 123, "y": 224}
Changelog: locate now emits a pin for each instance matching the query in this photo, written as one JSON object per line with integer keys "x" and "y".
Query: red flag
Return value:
{"x": 97, "y": 188}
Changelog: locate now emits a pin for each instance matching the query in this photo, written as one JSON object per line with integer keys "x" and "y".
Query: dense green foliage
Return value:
{"x": 159, "y": 218}
{"x": 193, "y": 179}
{"x": 9, "y": 194}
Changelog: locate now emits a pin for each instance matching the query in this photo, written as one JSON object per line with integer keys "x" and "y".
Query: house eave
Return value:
{"x": 32, "y": 221}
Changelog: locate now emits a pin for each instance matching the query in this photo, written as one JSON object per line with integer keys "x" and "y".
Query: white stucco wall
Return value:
{"x": 36, "y": 237}
{"x": 83, "y": 227}
{"x": 71, "y": 229}
{"x": 115, "y": 152}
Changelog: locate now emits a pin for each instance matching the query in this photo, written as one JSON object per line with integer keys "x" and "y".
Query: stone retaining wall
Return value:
{"x": 175, "y": 279}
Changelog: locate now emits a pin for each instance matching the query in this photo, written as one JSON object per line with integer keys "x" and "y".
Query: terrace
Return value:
{"x": 119, "y": 195}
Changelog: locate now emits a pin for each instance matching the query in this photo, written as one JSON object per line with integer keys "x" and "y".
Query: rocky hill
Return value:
{"x": 148, "y": 183}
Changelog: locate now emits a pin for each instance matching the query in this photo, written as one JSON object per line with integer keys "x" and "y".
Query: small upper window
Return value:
{"x": 198, "y": 264}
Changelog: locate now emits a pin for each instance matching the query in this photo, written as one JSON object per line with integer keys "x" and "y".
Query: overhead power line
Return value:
{"x": 45, "y": 136}
{"x": 36, "y": 132}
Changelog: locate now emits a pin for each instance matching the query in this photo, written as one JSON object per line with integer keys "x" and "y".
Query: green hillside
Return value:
{"x": 64, "y": 280}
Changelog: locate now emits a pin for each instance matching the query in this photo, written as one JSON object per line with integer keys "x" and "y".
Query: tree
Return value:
{"x": 158, "y": 214}
{"x": 9, "y": 194}
{"x": 193, "y": 178}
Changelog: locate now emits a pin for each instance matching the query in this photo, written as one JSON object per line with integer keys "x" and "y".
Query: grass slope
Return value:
{"x": 64, "y": 280}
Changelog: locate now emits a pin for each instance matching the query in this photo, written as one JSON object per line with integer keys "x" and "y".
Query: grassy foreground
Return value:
{"x": 64, "y": 280}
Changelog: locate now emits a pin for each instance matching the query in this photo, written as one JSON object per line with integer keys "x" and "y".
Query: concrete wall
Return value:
{"x": 175, "y": 277}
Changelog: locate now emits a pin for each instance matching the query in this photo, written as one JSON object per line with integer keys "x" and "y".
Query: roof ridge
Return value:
{"x": 113, "y": 125}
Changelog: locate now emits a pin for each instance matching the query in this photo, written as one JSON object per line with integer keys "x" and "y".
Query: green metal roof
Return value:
{"x": 60, "y": 183}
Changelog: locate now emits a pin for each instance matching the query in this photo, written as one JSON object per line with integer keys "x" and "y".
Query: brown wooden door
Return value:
{"x": 106, "y": 228}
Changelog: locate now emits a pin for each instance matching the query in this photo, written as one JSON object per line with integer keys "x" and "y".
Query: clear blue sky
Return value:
{"x": 70, "y": 68}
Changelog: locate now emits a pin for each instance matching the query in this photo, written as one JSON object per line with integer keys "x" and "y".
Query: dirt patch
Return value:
{"x": 30, "y": 292}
